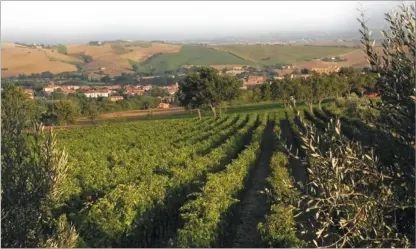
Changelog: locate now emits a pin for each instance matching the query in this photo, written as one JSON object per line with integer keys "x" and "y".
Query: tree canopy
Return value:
{"x": 205, "y": 88}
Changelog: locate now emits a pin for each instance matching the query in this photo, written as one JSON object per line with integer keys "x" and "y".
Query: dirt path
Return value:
{"x": 253, "y": 205}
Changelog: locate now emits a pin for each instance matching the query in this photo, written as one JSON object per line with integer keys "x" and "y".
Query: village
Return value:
{"x": 117, "y": 92}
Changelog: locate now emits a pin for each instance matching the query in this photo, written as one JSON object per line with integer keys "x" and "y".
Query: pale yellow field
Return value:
{"x": 19, "y": 60}
{"x": 356, "y": 58}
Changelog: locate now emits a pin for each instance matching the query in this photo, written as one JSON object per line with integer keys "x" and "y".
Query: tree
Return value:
{"x": 135, "y": 67}
{"x": 106, "y": 79}
{"x": 396, "y": 71}
{"x": 349, "y": 199}
{"x": 321, "y": 87}
{"x": 92, "y": 110}
{"x": 86, "y": 58}
{"x": 306, "y": 92}
{"x": 33, "y": 174}
{"x": 206, "y": 88}
{"x": 47, "y": 75}
{"x": 266, "y": 92}
{"x": 65, "y": 111}
{"x": 229, "y": 89}
{"x": 158, "y": 92}
{"x": 274, "y": 90}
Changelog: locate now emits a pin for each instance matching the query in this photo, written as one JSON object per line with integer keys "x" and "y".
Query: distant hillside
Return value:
{"x": 190, "y": 55}
{"x": 282, "y": 54}
{"x": 18, "y": 59}
{"x": 118, "y": 57}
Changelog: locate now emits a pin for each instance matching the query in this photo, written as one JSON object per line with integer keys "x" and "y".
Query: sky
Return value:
{"x": 83, "y": 21}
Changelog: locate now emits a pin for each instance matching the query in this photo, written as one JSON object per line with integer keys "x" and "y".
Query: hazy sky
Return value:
{"x": 82, "y": 21}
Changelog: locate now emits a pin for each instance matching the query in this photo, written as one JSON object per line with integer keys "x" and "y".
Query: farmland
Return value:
{"x": 190, "y": 55}
{"x": 18, "y": 60}
{"x": 278, "y": 54}
{"x": 151, "y": 180}
{"x": 118, "y": 57}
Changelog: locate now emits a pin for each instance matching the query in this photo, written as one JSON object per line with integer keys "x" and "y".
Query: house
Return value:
{"x": 50, "y": 88}
{"x": 163, "y": 106}
{"x": 116, "y": 98}
{"x": 29, "y": 92}
{"x": 147, "y": 87}
{"x": 172, "y": 89}
{"x": 133, "y": 91}
{"x": 95, "y": 94}
{"x": 253, "y": 80}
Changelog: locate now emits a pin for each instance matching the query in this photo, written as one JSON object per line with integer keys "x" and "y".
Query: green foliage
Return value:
{"x": 350, "y": 199}
{"x": 158, "y": 92}
{"x": 33, "y": 174}
{"x": 65, "y": 237}
{"x": 203, "y": 224}
{"x": 62, "y": 49}
{"x": 206, "y": 88}
{"x": 92, "y": 110}
{"x": 86, "y": 58}
{"x": 278, "y": 230}
{"x": 396, "y": 71}
{"x": 66, "y": 111}
{"x": 356, "y": 107}
{"x": 266, "y": 92}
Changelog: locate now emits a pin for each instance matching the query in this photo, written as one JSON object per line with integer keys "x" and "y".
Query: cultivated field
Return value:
{"x": 355, "y": 58}
{"x": 115, "y": 57}
{"x": 19, "y": 59}
{"x": 277, "y": 54}
{"x": 191, "y": 55}
{"x": 156, "y": 178}
{"x": 118, "y": 57}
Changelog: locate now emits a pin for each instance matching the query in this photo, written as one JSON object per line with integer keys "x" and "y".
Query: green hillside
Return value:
{"x": 189, "y": 55}
{"x": 277, "y": 54}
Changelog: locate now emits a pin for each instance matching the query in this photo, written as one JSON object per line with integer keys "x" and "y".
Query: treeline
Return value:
{"x": 64, "y": 109}
{"x": 38, "y": 80}
{"x": 311, "y": 90}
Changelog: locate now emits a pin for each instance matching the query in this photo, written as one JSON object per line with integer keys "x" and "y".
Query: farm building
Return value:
{"x": 254, "y": 80}
{"x": 163, "y": 106}
{"x": 50, "y": 88}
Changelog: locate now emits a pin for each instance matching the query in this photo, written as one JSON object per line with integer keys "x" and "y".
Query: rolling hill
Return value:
{"x": 281, "y": 54}
{"x": 118, "y": 57}
{"x": 17, "y": 59}
{"x": 190, "y": 55}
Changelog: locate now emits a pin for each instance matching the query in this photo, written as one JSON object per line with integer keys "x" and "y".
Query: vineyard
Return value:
{"x": 234, "y": 181}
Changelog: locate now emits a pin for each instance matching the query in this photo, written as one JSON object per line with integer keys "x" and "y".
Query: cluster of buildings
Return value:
{"x": 329, "y": 69}
{"x": 110, "y": 91}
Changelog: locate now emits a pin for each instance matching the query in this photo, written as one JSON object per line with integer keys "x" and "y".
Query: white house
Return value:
{"x": 93, "y": 94}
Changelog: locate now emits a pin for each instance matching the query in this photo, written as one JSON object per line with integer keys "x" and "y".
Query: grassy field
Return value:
{"x": 190, "y": 55}
{"x": 276, "y": 54}
{"x": 62, "y": 49}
